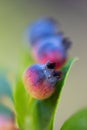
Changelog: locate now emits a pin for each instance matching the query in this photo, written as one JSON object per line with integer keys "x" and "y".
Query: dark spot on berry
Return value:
{"x": 51, "y": 65}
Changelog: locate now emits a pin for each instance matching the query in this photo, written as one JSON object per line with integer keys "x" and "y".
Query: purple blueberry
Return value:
{"x": 53, "y": 49}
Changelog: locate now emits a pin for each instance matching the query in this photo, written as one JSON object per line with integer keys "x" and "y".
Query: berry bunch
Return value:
{"x": 49, "y": 47}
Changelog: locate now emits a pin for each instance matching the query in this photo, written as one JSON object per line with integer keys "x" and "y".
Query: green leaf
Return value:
{"x": 20, "y": 95}
{"x": 37, "y": 114}
{"x": 78, "y": 121}
{"x": 60, "y": 85}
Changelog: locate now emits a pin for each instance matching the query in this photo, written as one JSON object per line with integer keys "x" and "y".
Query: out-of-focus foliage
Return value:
{"x": 5, "y": 87}
{"x": 78, "y": 121}
{"x": 6, "y": 94}
{"x": 5, "y": 111}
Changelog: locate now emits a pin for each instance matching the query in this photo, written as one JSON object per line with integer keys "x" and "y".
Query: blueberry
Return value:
{"x": 42, "y": 28}
{"x": 6, "y": 123}
{"x": 40, "y": 80}
{"x": 51, "y": 49}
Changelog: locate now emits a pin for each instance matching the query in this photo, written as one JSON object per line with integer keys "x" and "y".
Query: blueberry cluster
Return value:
{"x": 49, "y": 47}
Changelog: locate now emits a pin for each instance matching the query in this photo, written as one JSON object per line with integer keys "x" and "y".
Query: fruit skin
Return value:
{"x": 51, "y": 49}
{"x": 42, "y": 28}
{"x": 48, "y": 42}
{"x": 40, "y": 81}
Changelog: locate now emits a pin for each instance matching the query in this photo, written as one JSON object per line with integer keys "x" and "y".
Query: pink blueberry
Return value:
{"x": 40, "y": 80}
{"x": 6, "y": 123}
{"x": 53, "y": 49}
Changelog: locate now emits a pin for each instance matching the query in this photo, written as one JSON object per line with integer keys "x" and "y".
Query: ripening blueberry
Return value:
{"x": 40, "y": 80}
{"x": 48, "y": 42}
{"x": 7, "y": 118}
{"x": 44, "y": 27}
{"x": 53, "y": 49}
{"x": 6, "y": 123}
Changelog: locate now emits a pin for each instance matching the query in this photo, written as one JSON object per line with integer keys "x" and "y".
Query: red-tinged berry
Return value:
{"x": 6, "y": 123}
{"x": 40, "y": 80}
{"x": 51, "y": 49}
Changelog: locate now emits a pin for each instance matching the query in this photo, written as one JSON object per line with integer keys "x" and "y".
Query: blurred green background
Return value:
{"x": 15, "y": 15}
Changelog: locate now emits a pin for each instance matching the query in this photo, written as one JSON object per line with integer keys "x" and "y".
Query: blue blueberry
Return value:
{"x": 42, "y": 28}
